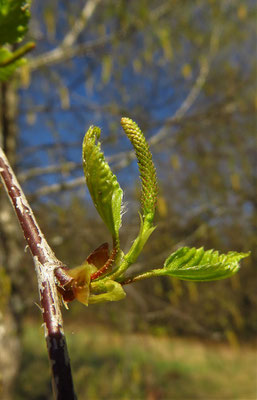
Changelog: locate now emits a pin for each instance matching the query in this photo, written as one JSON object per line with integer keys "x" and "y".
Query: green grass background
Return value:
{"x": 108, "y": 365}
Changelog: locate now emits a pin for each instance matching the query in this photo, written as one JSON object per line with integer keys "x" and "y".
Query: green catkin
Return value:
{"x": 145, "y": 164}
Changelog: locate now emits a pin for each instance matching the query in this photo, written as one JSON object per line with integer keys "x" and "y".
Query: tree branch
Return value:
{"x": 47, "y": 268}
{"x": 65, "y": 167}
{"x": 57, "y": 187}
{"x": 124, "y": 159}
{"x": 80, "y": 23}
{"x": 194, "y": 92}
{"x": 60, "y": 54}
{"x": 67, "y": 49}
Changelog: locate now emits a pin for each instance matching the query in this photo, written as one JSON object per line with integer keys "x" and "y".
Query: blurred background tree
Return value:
{"x": 186, "y": 74}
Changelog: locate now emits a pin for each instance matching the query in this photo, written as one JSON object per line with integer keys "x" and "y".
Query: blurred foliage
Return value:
{"x": 108, "y": 365}
{"x": 5, "y": 288}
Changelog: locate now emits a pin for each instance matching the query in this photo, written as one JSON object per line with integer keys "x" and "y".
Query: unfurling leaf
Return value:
{"x": 94, "y": 292}
{"x": 193, "y": 264}
{"x": 102, "y": 183}
{"x": 107, "y": 290}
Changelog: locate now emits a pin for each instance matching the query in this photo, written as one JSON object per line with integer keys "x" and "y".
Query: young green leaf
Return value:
{"x": 107, "y": 290}
{"x": 145, "y": 165}
{"x": 198, "y": 265}
{"x": 14, "y": 18}
{"x": 86, "y": 291}
{"x": 102, "y": 183}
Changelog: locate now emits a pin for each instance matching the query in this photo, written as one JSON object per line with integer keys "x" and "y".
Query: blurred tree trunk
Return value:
{"x": 10, "y": 251}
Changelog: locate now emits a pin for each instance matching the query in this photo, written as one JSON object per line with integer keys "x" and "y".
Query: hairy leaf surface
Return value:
{"x": 145, "y": 165}
{"x": 199, "y": 265}
{"x": 102, "y": 183}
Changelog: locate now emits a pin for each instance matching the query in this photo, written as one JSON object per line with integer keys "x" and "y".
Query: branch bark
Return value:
{"x": 48, "y": 267}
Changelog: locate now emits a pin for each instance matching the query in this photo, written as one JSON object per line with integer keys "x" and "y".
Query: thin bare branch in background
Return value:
{"x": 124, "y": 159}
{"x": 80, "y": 23}
{"x": 67, "y": 49}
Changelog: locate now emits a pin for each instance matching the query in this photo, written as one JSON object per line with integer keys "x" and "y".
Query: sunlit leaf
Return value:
{"x": 102, "y": 183}
{"x": 109, "y": 290}
{"x": 198, "y": 265}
